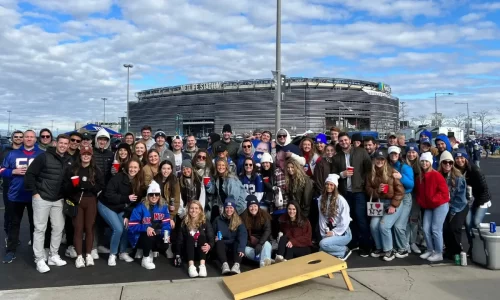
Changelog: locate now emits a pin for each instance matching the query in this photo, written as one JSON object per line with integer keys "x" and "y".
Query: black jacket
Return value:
{"x": 84, "y": 186}
{"x": 45, "y": 174}
{"x": 477, "y": 181}
{"x": 3, "y": 155}
{"x": 260, "y": 233}
{"x": 104, "y": 160}
{"x": 117, "y": 194}
{"x": 362, "y": 164}
{"x": 205, "y": 230}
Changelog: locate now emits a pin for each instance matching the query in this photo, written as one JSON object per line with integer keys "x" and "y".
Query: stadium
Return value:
{"x": 308, "y": 104}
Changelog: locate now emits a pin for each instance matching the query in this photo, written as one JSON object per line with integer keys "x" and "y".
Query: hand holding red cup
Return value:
{"x": 266, "y": 179}
{"x": 384, "y": 188}
{"x": 116, "y": 165}
{"x": 206, "y": 180}
{"x": 75, "y": 180}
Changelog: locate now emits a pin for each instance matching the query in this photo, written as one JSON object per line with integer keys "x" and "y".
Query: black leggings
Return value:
{"x": 452, "y": 231}
{"x": 223, "y": 250}
{"x": 148, "y": 243}
{"x": 289, "y": 253}
{"x": 275, "y": 225}
{"x": 191, "y": 250}
{"x": 15, "y": 211}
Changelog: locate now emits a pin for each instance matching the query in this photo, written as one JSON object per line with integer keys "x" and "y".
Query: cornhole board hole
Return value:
{"x": 263, "y": 280}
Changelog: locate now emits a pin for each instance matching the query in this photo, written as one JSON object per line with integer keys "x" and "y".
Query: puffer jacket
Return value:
{"x": 238, "y": 237}
{"x": 475, "y": 178}
{"x": 396, "y": 190}
{"x": 103, "y": 158}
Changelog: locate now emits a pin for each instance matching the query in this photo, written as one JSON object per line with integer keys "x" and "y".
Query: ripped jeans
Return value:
{"x": 381, "y": 228}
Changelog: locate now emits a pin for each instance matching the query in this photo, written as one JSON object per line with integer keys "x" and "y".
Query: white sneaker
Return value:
{"x": 278, "y": 259}
{"x": 42, "y": 267}
{"x": 139, "y": 254}
{"x": 192, "y": 271}
{"x": 156, "y": 254}
{"x": 203, "y": 271}
{"x": 170, "y": 254}
{"x": 427, "y": 254}
{"x": 147, "y": 263}
{"x": 55, "y": 260}
{"x": 46, "y": 254}
{"x": 94, "y": 254}
{"x": 124, "y": 256}
{"x": 71, "y": 252}
{"x": 79, "y": 262}
{"x": 436, "y": 257}
{"x": 414, "y": 248}
{"x": 102, "y": 249}
{"x": 112, "y": 260}
{"x": 90, "y": 260}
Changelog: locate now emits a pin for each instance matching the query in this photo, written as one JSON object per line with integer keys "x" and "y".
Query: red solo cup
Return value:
{"x": 386, "y": 189}
{"x": 350, "y": 169}
{"x": 116, "y": 166}
{"x": 266, "y": 179}
{"x": 75, "y": 180}
{"x": 206, "y": 180}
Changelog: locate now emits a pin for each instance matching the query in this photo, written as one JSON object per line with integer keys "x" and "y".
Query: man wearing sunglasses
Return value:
{"x": 231, "y": 146}
{"x": 246, "y": 150}
{"x": 285, "y": 149}
{"x": 45, "y": 139}
{"x": 75, "y": 139}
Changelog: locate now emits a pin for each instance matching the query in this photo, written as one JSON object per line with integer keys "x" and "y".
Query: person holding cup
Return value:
{"x": 388, "y": 190}
{"x": 149, "y": 225}
{"x": 123, "y": 193}
{"x": 122, "y": 155}
{"x": 82, "y": 183}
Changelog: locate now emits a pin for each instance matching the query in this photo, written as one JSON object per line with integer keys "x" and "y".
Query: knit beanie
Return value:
{"x": 187, "y": 164}
{"x": 461, "y": 153}
{"x": 266, "y": 157}
{"x": 321, "y": 138}
{"x": 252, "y": 199}
{"x": 426, "y": 156}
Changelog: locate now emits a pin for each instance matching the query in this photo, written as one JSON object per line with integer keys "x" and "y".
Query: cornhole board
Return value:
{"x": 263, "y": 280}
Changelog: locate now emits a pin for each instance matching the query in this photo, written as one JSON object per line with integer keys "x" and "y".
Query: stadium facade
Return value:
{"x": 308, "y": 104}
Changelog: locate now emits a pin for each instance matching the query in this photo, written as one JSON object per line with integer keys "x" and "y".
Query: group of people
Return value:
{"x": 261, "y": 199}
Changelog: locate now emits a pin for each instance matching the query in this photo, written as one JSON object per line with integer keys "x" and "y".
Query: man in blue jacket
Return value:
{"x": 442, "y": 144}
{"x": 14, "y": 167}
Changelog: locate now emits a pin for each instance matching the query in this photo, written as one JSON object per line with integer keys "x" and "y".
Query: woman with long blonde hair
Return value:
{"x": 195, "y": 239}
{"x": 382, "y": 186}
{"x": 232, "y": 239}
{"x": 299, "y": 187}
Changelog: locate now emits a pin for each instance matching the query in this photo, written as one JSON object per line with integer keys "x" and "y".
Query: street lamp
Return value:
{"x": 104, "y": 99}
{"x": 468, "y": 118}
{"x": 348, "y": 108}
{"x": 8, "y": 124}
{"x": 128, "y": 66}
{"x": 436, "y": 106}
{"x": 277, "y": 95}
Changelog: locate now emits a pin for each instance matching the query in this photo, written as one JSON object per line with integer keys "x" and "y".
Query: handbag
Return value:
{"x": 374, "y": 209}
{"x": 278, "y": 198}
{"x": 70, "y": 209}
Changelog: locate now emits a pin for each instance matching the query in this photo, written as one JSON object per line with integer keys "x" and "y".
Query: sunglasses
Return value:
{"x": 154, "y": 195}
{"x": 202, "y": 157}
{"x": 247, "y": 146}
{"x": 282, "y": 136}
{"x": 248, "y": 165}
{"x": 76, "y": 141}
{"x": 18, "y": 137}
{"x": 45, "y": 136}
{"x": 447, "y": 162}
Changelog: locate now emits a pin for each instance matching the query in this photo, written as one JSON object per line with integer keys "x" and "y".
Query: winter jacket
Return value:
{"x": 259, "y": 232}
{"x": 45, "y": 174}
{"x": 238, "y": 237}
{"x": 117, "y": 194}
{"x": 449, "y": 148}
{"x": 199, "y": 195}
{"x": 458, "y": 197}
{"x": 299, "y": 236}
{"x": 289, "y": 147}
{"x": 362, "y": 164}
{"x": 103, "y": 158}
{"x": 89, "y": 190}
{"x": 232, "y": 148}
{"x": 321, "y": 172}
{"x": 142, "y": 218}
{"x": 165, "y": 154}
{"x": 231, "y": 186}
{"x": 407, "y": 177}
{"x": 149, "y": 173}
{"x": 276, "y": 179}
{"x": 168, "y": 195}
{"x": 431, "y": 190}
{"x": 205, "y": 229}
{"x": 476, "y": 179}
{"x": 241, "y": 158}
{"x": 396, "y": 190}
{"x": 311, "y": 163}
{"x": 191, "y": 153}
{"x": 303, "y": 196}
{"x": 13, "y": 160}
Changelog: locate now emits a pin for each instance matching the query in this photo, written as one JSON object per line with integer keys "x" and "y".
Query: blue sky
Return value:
{"x": 61, "y": 57}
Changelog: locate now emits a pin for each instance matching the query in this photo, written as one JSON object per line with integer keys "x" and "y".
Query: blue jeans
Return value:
{"x": 336, "y": 245}
{"x": 119, "y": 238}
{"x": 381, "y": 228}
{"x": 265, "y": 253}
{"x": 400, "y": 226}
{"x": 360, "y": 227}
{"x": 473, "y": 219}
{"x": 415, "y": 222}
{"x": 433, "y": 227}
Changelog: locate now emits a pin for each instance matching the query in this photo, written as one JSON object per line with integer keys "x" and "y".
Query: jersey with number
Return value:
{"x": 17, "y": 159}
{"x": 253, "y": 184}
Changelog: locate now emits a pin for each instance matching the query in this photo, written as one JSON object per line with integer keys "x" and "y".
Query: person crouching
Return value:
{"x": 149, "y": 225}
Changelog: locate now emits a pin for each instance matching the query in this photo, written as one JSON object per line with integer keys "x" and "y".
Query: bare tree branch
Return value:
{"x": 484, "y": 119}
{"x": 457, "y": 121}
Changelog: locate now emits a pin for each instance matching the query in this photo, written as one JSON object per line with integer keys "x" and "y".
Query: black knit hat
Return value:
{"x": 251, "y": 199}
{"x": 357, "y": 137}
{"x": 226, "y": 128}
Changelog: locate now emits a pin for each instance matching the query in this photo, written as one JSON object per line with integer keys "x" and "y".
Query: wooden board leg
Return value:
{"x": 330, "y": 275}
{"x": 347, "y": 280}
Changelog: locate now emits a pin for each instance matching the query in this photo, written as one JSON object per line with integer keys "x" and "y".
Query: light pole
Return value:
{"x": 104, "y": 99}
{"x": 52, "y": 127}
{"x": 467, "y": 125}
{"x": 8, "y": 124}
{"x": 278, "y": 66}
{"x": 128, "y": 66}
{"x": 436, "y": 106}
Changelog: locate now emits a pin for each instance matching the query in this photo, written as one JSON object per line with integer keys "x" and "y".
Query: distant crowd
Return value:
{"x": 262, "y": 201}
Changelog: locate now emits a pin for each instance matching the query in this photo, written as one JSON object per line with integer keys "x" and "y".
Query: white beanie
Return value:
{"x": 333, "y": 178}
{"x": 445, "y": 156}
{"x": 266, "y": 157}
{"x": 154, "y": 188}
{"x": 393, "y": 149}
{"x": 426, "y": 156}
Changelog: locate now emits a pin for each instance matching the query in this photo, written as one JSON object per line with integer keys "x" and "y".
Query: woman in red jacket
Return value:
{"x": 297, "y": 234}
{"x": 433, "y": 196}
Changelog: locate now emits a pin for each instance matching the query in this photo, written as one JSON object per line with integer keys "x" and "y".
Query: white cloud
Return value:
{"x": 74, "y": 7}
{"x": 487, "y": 6}
{"x": 471, "y": 17}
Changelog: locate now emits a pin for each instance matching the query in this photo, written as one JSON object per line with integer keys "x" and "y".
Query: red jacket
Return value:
{"x": 431, "y": 190}
{"x": 299, "y": 236}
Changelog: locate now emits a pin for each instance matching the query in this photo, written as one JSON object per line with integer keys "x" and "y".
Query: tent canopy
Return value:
{"x": 94, "y": 128}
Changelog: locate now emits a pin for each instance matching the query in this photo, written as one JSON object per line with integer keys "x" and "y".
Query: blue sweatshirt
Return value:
{"x": 407, "y": 178}
{"x": 14, "y": 160}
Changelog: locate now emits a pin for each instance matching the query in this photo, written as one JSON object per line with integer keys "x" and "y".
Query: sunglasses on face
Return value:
{"x": 76, "y": 141}
{"x": 202, "y": 157}
{"x": 18, "y": 137}
{"x": 282, "y": 136}
{"x": 45, "y": 136}
{"x": 447, "y": 163}
{"x": 247, "y": 146}
{"x": 154, "y": 195}
{"x": 248, "y": 165}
